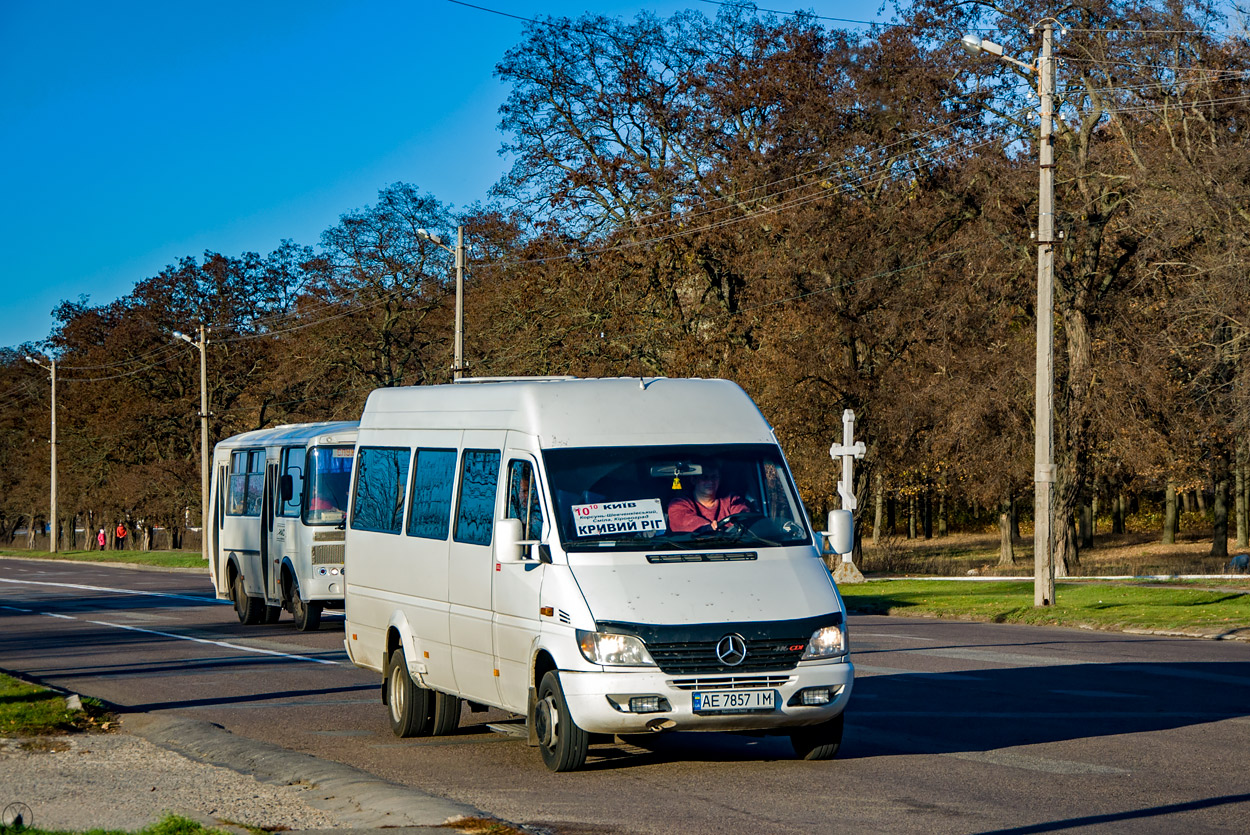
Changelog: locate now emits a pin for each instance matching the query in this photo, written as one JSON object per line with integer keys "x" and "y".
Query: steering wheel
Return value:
{"x": 741, "y": 519}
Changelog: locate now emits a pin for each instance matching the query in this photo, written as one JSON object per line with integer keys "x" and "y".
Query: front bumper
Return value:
{"x": 587, "y": 694}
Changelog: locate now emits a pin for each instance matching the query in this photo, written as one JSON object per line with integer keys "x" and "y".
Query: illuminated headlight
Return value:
{"x": 826, "y": 642}
{"x": 613, "y": 650}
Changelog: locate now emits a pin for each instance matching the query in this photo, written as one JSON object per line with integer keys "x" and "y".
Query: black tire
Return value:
{"x": 818, "y": 742}
{"x": 272, "y": 613}
{"x": 562, "y": 744}
{"x": 408, "y": 703}
{"x": 251, "y": 610}
{"x": 307, "y": 614}
{"x": 444, "y": 713}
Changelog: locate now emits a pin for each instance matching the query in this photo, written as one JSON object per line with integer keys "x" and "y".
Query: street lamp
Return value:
{"x": 1043, "y": 437}
{"x": 201, "y": 345}
{"x": 457, "y": 366}
{"x": 54, "y": 526}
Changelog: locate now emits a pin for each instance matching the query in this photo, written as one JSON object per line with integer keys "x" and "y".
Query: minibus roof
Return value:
{"x": 564, "y": 412}
{"x": 296, "y": 434}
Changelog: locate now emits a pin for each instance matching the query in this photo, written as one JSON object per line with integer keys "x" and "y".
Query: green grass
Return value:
{"x": 1112, "y": 606}
{"x": 170, "y": 825}
{"x": 30, "y": 710}
{"x": 165, "y": 559}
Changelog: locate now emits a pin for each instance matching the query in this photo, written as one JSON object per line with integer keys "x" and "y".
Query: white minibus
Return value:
{"x": 600, "y": 556}
{"x": 278, "y": 506}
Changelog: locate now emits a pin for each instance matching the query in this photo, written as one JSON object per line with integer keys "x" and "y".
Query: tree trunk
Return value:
{"x": 927, "y": 513}
{"x": 1219, "y": 538}
{"x": 911, "y": 516}
{"x": 1200, "y": 496}
{"x": 1086, "y": 526}
{"x": 1006, "y": 541}
{"x": 1169, "y": 513}
{"x": 879, "y": 501}
{"x": 1239, "y": 496}
{"x": 943, "y": 524}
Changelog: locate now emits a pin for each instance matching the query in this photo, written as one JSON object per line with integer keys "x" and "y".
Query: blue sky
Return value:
{"x": 136, "y": 133}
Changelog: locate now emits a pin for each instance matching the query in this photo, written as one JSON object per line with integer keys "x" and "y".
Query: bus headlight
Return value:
{"x": 826, "y": 642}
{"x": 613, "y": 650}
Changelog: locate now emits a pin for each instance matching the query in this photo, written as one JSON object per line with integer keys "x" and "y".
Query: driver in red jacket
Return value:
{"x": 706, "y": 508}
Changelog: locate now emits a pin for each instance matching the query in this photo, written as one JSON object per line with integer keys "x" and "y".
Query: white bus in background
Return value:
{"x": 278, "y": 506}
{"x": 530, "y": 545}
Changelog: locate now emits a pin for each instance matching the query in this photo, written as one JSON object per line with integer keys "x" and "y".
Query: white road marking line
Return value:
{"x": 1028, "y": 763}
{"x": 224, "y": 644}
{"x": 79, "y": 587}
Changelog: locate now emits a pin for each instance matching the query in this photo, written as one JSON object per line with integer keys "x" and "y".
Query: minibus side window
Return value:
{"x": 292, "y": 461}
{"x": 381, "y": 475}
{"x": 523, "y": 501}
{"x": 429, "y": 510}
{"x": 479, "y": 479}
{"x": 247, "y": 482}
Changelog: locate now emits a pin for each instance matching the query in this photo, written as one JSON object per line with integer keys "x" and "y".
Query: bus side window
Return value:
{"x": 292, "y": 458}
{"x": 523, "y": 501}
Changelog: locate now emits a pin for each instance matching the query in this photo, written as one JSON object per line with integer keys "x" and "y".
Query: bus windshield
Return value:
{"x": 329, "y": 479}
{"x": 674, "y": 498}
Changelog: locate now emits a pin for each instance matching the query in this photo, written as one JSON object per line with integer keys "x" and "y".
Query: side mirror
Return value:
{"x": 287, "y": 488}
{"x": 841, "y": 531}
{"x": 509, "y": 547}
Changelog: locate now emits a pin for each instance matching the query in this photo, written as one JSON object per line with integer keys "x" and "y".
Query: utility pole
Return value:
{"x": 457, "y": 362}
{"x": 457, "y": 369}
{"x": 202, "y": 345}
{"x": 1044, "y": 391}
{"x": 54, "y": 523}
{"x": 1044, "y": 435}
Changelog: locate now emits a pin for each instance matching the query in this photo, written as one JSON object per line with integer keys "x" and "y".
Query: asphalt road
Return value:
{"x": 952, "y": 727}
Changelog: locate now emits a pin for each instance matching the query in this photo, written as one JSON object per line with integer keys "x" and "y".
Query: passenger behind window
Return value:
{"x": 523, "y": 501}
{"x": 705, "y": 507}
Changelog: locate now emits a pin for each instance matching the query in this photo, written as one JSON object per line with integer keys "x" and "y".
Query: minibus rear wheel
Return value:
{"x": 251, "y": 610}
{"x": 818, "y": 742}
{"x": 408, "y": 702}
{"x": 444, "y": 713}
{"x": 562, "y": 743}
{"x": 307, "y": 614}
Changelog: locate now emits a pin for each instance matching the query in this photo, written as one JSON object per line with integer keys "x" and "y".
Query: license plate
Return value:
{"x": 733, "y": 701}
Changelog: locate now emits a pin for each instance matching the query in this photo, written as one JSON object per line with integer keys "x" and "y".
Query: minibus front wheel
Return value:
{"x": 562, "y": 743}
{"x": 818, "y": 742}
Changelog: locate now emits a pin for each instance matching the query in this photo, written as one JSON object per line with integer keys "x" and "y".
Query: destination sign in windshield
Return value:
{"x": 638, "y": 516}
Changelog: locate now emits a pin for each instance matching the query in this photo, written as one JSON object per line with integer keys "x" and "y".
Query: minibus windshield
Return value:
{"x": 329, "y": 478}
{"x": 674, "y": 497}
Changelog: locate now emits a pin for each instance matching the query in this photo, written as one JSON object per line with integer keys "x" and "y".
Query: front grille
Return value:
{"x": 682, "y": 556}
{"x": 690, "y": 649}
{"x": 695, "y": 658}
{"x": 326, "y": 554}
{"x": 729, "y": 682}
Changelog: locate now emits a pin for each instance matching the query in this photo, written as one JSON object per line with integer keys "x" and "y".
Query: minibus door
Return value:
{"x": 517, "y": 584}
{"x": 269, "y": 550}
{"x": 471, "y": 564}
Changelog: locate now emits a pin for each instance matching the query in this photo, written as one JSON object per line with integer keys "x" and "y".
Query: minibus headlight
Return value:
{"x": 826, "y": 642}
{"x": 613, "y": 650}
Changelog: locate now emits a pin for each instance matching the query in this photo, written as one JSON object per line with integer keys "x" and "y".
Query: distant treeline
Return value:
{"x": 834, "y": 218}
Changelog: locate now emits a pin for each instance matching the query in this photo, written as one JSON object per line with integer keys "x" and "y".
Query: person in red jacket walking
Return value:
{"x": 121, "y": 536}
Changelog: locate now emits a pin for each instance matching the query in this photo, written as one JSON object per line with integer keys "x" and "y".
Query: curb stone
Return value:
{"x": 358, "y": 798}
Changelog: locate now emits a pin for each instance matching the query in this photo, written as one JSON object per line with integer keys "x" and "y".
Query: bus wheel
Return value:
{"x": 562, "y": 743}
{"x": 307, "y": 614}
{"x": 818, "y": 742}
{"x": 408, "y": 702}
{"x": 251, "y": 610}
{"x": 272, "y": 613}
{"x": 444, "y": 713}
